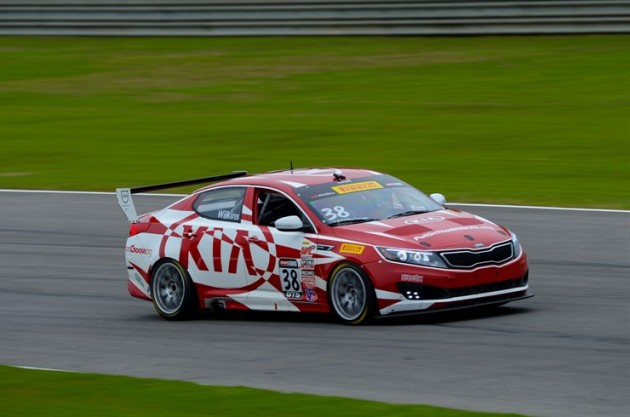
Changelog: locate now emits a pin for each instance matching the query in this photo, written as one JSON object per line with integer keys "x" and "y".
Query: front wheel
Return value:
{"x": 351, "y": 295}
{"x": 172, "y": 291}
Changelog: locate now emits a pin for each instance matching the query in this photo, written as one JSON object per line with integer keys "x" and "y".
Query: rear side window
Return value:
{"x": 221, "y": 204}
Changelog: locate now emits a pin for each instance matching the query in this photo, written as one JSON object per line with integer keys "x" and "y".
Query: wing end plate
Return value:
{"x": 126, "y": 204}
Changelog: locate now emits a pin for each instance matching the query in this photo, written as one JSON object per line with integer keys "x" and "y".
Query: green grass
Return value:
{"x": 44, "y": 393}
{"x": 525, "y": 120}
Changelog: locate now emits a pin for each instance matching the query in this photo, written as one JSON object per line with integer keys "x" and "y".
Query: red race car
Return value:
{"x": 354, "y": 242}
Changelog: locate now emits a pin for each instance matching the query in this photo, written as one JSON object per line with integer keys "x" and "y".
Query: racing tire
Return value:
{"x": 351, "y": 295}
{"x": 173, "y": 292}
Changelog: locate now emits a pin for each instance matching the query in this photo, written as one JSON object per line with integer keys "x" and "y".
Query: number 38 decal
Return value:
{"x": 332, "y": 213}
{"x": 290, "y": 278}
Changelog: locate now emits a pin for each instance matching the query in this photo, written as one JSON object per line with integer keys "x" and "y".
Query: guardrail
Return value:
{"x": 311, "y": 17}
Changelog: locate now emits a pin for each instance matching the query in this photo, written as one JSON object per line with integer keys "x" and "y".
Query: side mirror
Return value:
{"x": 438, "y": 198}
{"x": 289, "y": 223}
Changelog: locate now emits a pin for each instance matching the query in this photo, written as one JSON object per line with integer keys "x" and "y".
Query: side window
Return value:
{"x": 221, "y": 204}
{"x": 272, "y": 205}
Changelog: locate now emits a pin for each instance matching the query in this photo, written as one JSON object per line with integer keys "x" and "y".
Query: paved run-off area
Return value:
{"x": 565, "y": 352}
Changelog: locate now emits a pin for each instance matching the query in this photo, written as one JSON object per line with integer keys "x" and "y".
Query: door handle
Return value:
{"x": 252, "y": 239}
{"x": 190, "y": 235}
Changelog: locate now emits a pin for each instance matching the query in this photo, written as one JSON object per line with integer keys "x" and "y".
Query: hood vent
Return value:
{"x": 466, "y": 221}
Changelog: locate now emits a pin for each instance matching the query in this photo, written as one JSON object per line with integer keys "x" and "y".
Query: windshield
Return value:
{"x": 365, "y": 199}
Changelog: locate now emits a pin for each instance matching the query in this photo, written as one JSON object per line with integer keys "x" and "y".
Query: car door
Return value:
{"x": 212, "y": 241}
{"x": 281, "y": 263}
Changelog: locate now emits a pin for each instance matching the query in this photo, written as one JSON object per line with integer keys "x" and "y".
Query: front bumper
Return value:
{"x": 410, "y": 307}
{"x": 403, "y": 290}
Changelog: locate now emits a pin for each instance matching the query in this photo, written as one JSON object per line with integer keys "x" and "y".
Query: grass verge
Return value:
{"x": 44, "y": 393}
{"x": 524, "y": 120}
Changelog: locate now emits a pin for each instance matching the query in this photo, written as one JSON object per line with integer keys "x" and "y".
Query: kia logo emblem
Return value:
{"x": 430, "y": 219}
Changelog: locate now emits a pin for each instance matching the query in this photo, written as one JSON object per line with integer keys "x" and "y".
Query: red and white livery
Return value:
{"x": 353, "y": 242}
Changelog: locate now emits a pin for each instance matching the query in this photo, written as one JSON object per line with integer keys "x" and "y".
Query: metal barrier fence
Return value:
{"x": 311, "y": 17}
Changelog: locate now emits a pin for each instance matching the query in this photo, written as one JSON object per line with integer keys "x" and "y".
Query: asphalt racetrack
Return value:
{"x": 565, "y": 352}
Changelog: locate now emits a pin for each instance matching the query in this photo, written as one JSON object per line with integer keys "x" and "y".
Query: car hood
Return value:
{"x": 437, "y": 230}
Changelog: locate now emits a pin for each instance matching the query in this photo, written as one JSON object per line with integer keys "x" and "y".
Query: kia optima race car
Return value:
{"x": 353, "y": 242}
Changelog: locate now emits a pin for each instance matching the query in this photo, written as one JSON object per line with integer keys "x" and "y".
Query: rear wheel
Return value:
{"x": 351, "y": 295}
{"x": 173, "y": 292}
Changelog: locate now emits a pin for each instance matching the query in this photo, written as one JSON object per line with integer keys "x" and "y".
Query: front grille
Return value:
{"x": 465, "y": 259}
{"x": 429, "y": 292}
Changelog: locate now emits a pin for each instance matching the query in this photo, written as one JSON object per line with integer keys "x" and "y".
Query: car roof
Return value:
{"x": 290, "y": 179}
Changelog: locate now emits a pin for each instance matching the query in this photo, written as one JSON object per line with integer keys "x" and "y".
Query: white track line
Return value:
{"x": 453, "y": 204}
{"x": 36, "y": 368}
{"x": 540, "y": 207}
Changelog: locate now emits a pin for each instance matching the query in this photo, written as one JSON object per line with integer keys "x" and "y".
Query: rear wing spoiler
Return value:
{"x": 126, "y": 202}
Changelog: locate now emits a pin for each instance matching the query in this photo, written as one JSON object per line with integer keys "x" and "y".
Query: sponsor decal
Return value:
{"x": 411, "y": 278}
{"x": 139, "y": 280}
{"x": 325, "y": 247}
{"x": 316, "y": 196}
{"x": 451, "y": 230}
{"x": 308, "y": 264}
{"x": 288, "y": 263}
{"x": 311, "y": 294}
{"x": 357, "y": 186}
{"x": 308, "y": 273}
{"x": 353, "y": 249}
{"x": 293, "y": 295}
{"x": 430, "y": 219}
{"x": 124, "y": 196}
{"x": 309, "y": 281}
{"x": 479, "y": 245}
{"x": 139, "y": 251}
{"x": 307, "y": 251}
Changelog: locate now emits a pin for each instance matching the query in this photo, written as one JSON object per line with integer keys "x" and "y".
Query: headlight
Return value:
{"x": 517, "y": 245}
{"x": 414, "y": 257}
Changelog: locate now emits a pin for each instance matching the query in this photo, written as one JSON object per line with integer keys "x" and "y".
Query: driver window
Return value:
{"x": 272, "y": 205}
